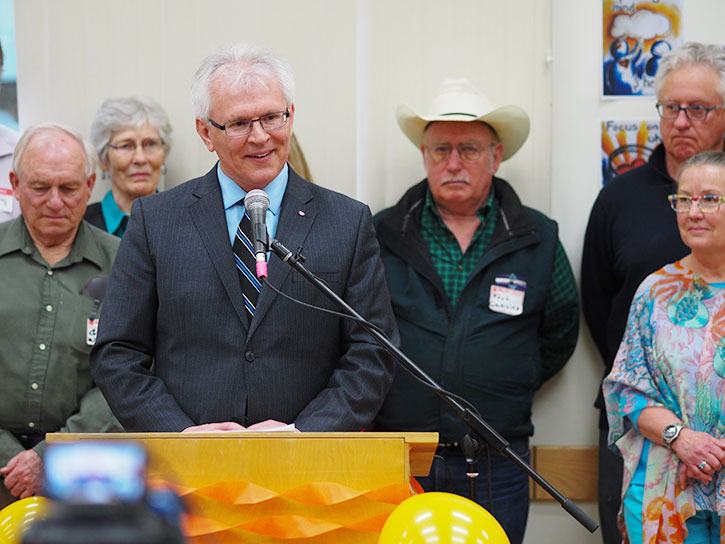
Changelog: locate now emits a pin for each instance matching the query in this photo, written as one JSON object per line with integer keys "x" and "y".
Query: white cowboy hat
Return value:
{"x": 459, "y": 100}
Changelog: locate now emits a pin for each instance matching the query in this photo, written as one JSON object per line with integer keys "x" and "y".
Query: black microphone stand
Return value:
{"x": 471, "y": 451}
{"x": 478, "y": 426}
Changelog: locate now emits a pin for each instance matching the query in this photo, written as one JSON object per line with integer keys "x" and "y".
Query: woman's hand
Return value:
{"x": 701, "y": 455}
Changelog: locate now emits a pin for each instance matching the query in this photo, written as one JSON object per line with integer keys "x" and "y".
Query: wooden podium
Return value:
{"x": 283, "y": 487}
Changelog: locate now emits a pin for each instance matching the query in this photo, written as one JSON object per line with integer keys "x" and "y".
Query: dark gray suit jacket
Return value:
{"x": 175, "y": 347}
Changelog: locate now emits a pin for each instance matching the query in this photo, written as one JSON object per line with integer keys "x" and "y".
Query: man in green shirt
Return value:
{"x": 482, "y": 291}
{"x": 52, "y": 269}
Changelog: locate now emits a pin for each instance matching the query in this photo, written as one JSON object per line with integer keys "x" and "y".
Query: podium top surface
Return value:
{"x": 410, "y": 438}
{"x": 421, "y": 446}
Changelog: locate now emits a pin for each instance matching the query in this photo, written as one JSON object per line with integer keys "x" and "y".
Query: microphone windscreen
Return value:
{"x": 95, "y": 287}
{"x": 256, "y": 198}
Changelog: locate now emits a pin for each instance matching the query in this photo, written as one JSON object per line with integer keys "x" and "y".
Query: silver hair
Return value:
{"x": 693, "y": 53}
{"x": 706, "y": 158}
{"x": 245, "y": 66}
{"x": 133, "y": 111}
{"x": 89, "y": 155}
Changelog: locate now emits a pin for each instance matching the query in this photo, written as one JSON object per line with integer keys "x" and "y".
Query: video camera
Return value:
{"x": 100, "y": 496}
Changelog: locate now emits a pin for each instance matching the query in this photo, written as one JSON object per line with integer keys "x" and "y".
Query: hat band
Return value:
{"x": 455, "y": 113}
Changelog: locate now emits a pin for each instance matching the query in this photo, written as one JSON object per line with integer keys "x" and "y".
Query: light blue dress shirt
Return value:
{"x": 233, "y": 199}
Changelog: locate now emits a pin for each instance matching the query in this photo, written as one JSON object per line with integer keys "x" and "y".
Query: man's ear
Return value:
{"x": 202, "y": 129}
{"x": 90, "y": 183}
{"x": 497, "y": 158}
{"x": 14, "y": 180}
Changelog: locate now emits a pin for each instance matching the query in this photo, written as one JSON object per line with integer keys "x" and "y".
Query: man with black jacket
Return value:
{"x": 482, "y": 291}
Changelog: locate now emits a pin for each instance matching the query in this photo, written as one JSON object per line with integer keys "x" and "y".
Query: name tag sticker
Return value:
{"x": 507, "y": 295}
{"x": 6, "y": 200}
{"x": 91, "y": 331}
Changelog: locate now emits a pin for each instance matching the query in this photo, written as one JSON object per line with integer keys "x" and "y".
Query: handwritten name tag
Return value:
{"x": 507, "y": 295}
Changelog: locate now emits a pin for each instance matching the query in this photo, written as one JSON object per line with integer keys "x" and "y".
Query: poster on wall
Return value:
{"x": 8, "y": 76}
{"x": 627, "y": 145}
{"x": 636, "y": 34}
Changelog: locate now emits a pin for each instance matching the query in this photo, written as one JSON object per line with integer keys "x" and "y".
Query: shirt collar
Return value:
{"x": 233, "y": 194}
{"x": 17, "y": 238}
{"x": 112, "y": 214}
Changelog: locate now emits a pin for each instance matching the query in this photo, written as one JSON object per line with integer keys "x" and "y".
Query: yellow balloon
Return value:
{"x": 441, "y": 518}
{"x": 18, "y": 516}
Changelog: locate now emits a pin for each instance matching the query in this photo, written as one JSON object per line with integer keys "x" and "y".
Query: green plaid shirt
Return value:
{"x": 455, "y": 267}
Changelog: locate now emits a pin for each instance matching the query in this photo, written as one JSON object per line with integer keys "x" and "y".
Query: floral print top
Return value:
{"x": 672, "y": 355}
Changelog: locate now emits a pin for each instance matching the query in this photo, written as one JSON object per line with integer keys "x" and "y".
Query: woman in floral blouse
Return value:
{"x": 666, "y": 391}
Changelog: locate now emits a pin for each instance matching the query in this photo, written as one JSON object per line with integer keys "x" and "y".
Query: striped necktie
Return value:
{"x": 246, "y": 264}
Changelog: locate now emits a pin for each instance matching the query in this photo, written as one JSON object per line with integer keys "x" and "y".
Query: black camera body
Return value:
{"x": 102, "y": 524}
{"x": 99, "y": 496}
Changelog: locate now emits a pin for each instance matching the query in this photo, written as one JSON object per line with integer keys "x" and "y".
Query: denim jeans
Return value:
{"x": 507, "y": 498}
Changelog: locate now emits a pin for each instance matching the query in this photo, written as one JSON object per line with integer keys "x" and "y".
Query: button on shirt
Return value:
{"x": 47, "y": 386}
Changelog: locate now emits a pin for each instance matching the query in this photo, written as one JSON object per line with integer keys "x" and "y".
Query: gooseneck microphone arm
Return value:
{"x": 477, "y": 424}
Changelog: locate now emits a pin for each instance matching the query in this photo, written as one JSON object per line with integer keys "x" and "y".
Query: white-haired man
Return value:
{"x": 632, "y": 231}
{"x": 193, "y": 341}
{"x": 52, "y": 266}
{"x": 482, "y": 290}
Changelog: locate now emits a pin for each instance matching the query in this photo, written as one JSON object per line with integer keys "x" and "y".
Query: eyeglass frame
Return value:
{"x": 696, "y": 200}
{"x": 448, "y": 155}
{"x": 251, "y": 122}
{"x": 119, "y": 148}
{"x": 660, "y": 107}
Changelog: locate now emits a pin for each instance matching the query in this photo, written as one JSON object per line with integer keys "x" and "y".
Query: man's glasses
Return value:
{"x": 149, "y": 146}
{"x": 705, "y": 203}
{"x": 242, "y": 127}
{"x": 694, "y": 112}
{"x": 467, "y": 152}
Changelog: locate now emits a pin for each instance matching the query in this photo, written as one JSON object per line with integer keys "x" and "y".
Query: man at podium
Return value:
{"x": 189, "y": 341}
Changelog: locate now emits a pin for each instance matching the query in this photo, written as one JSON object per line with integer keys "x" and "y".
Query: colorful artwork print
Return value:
{"x": 627, "y": 145}
{"x": 8, "y": 76}
{"x": 636, "y": 35}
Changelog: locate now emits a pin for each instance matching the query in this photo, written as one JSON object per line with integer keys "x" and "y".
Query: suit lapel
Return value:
{"x": 296, "y": 218}
{"x": 207, "y": 213}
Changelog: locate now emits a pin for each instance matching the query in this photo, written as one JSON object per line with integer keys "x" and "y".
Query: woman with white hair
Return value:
{"x": 132, "y": 137}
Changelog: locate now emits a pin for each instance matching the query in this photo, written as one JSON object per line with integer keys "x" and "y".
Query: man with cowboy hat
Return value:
{"x": 482, "y": 290}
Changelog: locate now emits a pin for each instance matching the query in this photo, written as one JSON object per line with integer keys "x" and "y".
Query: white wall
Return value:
{"x": 354, "y": 62}
{"x": 408, "y": 47}
{"x": 72, "y": 54}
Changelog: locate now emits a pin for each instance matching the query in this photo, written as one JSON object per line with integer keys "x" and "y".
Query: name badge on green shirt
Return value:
{"x": 91, "y": 330}
{"x": 507, "y": 295}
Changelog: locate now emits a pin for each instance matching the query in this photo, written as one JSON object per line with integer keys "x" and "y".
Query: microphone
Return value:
{"x": 256, "y": 203}
{"x": 95, "y": 288}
